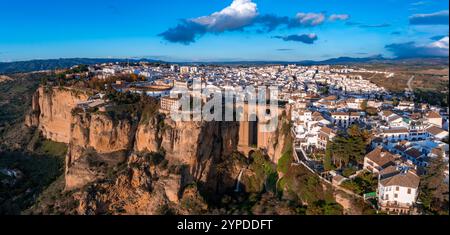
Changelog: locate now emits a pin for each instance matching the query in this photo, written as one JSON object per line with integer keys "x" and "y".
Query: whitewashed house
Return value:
{"x": 397, "y": 190}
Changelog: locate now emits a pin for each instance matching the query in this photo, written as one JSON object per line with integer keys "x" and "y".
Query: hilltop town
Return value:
{"x": 358, "y": 139}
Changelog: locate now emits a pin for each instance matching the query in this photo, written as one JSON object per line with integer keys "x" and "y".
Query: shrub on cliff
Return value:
{"x": 154, "y": 158}
{"x": 322, "y": 207}
{"x": 150, "y": 107}
{"x": 265, "y": 173}
{"x": 192, "y": 201}
{"x": 284, "y": 162}
{"x": 305, "y": 185}
{"x": 123, "y": 97}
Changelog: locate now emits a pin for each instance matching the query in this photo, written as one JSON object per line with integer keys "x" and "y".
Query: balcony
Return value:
{"x": 394, "y": 204}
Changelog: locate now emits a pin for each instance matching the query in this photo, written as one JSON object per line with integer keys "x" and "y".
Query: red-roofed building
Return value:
{"x": 434, "y": 118}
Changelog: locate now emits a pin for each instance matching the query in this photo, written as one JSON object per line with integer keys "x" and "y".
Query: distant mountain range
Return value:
{"x": 50, "y": 64}
{"x": 343, "y": 61}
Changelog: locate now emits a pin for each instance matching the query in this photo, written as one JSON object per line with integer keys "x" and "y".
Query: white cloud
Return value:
{"x": 441, "y": 44}
{"x": 239, "y": 14}
{"x": 335, "y": 17}
{"x": 410, "y": 49}
{"x": 436, "y": 18}
{"x": 420, "y": 3}
{"x": 310, "y": 19}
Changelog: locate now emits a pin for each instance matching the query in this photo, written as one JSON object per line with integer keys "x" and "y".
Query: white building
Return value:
{"x": 344, "y": 119}
{"x": 399, "y": 134}
{"x": 397, "y": 190}
{"x": 184, "y": 69}
{"x": 437, "y": 133}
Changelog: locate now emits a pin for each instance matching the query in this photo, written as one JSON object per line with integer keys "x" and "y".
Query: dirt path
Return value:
{"x": 347, "y": 202}
{"x": 409, "y": 84}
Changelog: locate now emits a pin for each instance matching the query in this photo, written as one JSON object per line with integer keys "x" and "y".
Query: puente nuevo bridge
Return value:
{"x": 251, "y": 134}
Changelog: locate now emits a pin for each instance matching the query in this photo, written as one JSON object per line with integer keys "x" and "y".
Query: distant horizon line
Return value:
{"x": 134, "y": 58}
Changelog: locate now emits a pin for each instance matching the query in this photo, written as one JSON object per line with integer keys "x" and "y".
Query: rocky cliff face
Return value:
{"x": 51, "y": 111}
{"x": 196, "y": 145}
{"x": 113, "y": 160}
{"x": 141, "y": 188}
{"x": 191, "y": 152}
{"x": 277, "y": 141}
{"x": 97, "y": 143}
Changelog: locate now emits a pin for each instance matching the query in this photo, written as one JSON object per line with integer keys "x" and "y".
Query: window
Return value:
{"x": 395, "y": 195}
{"x": 397, "y": 188}
{"x": 409, "y": 191}
{"x": 387, "y": 197}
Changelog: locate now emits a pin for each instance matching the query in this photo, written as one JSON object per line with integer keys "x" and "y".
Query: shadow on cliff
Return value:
{"x": 217, "y": 164}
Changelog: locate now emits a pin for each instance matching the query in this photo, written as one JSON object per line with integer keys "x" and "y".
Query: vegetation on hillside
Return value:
{"x": 304, "y": 189}
{"x": 37, "y": 170}
{"x": 37, "y": 162}
{"x": 265, "y": 173}
{"x": 431, "y": 97}
{"x": 433, "y": 190}
{"x": 37, "y": 65}
{"x": 365, "y": 182}
{"x": 347, "y": 148}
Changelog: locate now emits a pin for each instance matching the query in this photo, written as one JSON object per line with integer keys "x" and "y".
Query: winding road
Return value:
{"x": 410, "y": 83}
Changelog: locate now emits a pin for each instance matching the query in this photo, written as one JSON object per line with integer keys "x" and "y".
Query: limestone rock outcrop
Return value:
{"x": 98, "y": 142}
{"x": 51, "y": 111}
{"x": 112, "y": 160}
{"x": 140, "y": 188}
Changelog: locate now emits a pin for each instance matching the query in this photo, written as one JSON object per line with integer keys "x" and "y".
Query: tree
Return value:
{"x": 364, "y": 105}
{"x": 323, "y": 207}
{"x": 328, "y": 162}
{"x": 395, "y": 102}
{"x": 134, "y": 77}
{"x": 371, "y": 111}
{"x": 433, "y": 191}
{"x": 348, "y": 147}
{"x": 324, "y": 90}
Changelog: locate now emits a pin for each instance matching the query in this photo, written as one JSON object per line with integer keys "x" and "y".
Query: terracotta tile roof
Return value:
{"x": 330, "y": 98}
{"x": 436, "y": 151}
{"x": 393, "y": 118}
{"x": 413, "y": 152}
{"x": 400, "y": 147}
{"x": 381, "y": 157}
{"x": 339, "y": 114}
{"x": 386, "y": 113}
{"x": 326, "y": 130}
{"x": 434, "y": 130}
{"x": 388, "y": 171}
{"x": 317, "y": 114}
{"x": 396, "y": 130}
{"x": 433, "y": 114}
{"x": 408, "y": 179}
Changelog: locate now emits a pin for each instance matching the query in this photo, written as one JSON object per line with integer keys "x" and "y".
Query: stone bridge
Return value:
{"x": 251, "y": 136}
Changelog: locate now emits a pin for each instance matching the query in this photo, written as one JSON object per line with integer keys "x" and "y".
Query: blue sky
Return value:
{"x": 222, "y": 30}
